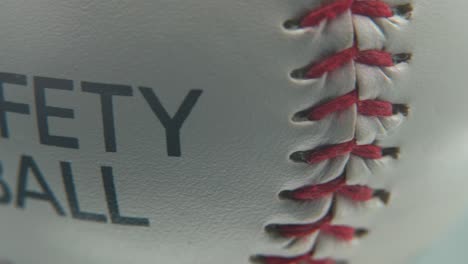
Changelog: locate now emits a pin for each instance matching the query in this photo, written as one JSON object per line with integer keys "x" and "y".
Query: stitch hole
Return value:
{"x": 286, "y": 195}
{"x": 392, "y": 152}
{"x": 404, "y": 10}
{"x": 302, "y": 116}
{"x": 257, "y": 259}
{"x": 341, "y": 262}
{"x": 273, "y": 230}
{"x": 292, "y": 24}
{"x": 299, "y": 74}
{"x": 299, "y": 156}
{"x": 401, "y": 57}
{"x": 401, "y": 109}
{"x": 361, "y": 232}
{"x": 382, "y": 195}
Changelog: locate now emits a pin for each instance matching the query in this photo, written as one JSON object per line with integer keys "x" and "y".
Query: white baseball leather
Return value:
{"x": 211, "y": 204}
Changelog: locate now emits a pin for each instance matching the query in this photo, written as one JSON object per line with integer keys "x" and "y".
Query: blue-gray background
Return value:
{"x": 452, "y": 247}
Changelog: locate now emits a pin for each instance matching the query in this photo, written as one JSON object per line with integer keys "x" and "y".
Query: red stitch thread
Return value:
{"x": 284, "y": 260}
{"x": 323, "y": 261}
{"x": 334, "y": 151}
{"x": 375, "y": 108}
{"x": 338, "y": 104}
{"x": 341, "y": 232}
{"x": 317, "y": 191}
{"x": 329, "y": 11}
{"x": 366, "y": 107}
{"x": 367, "y": 151}
{"x": 359, "y": 193}
{"x": 302, "y": 259}
{"x": 331, "y": 63}
{"x": 370, "y": 8}
{"x": 369, "y": 57}
{"x": 377, "y": 58}
{"x": 330, "y": 152}
{"x": 356, "y": 193}
{"x": 345, "y": 233}
{"x": 300, "y": 230}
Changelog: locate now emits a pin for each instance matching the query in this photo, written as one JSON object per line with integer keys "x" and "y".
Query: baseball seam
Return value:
{"x": 368, "y": 107}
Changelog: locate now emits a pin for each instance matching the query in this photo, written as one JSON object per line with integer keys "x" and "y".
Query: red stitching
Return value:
{"x": 377, "y": 58}
{"x": 376, "y": 108}
{"x": 350, "y": 147}
{"x": 370, "y": 8}
{"x": 368, "y": 151}
{"x": 317, "y": 191}
{"x": 303, "y": 259}
{"x": 323, "y": 261}
{"x": 284, "y": 260}
{"x": 329, "y": 11}
{"x": 338, "y": 104}
{"x": 332, "y": 63}
{"x": 330, "y": 152}
{"x": 337, "y": 186}
{"x": 358, "y": 193}
{"x": 300, "y": 230}
{"x": 341, "y": 232}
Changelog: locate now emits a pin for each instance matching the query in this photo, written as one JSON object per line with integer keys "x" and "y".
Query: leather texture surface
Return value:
{"x": 210, "y": 205}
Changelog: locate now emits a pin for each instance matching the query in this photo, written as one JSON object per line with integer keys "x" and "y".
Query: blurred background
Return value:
{"x": 451, "y": 247}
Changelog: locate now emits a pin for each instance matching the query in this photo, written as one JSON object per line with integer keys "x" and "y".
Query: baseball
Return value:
{"x": 215, "y": 131}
